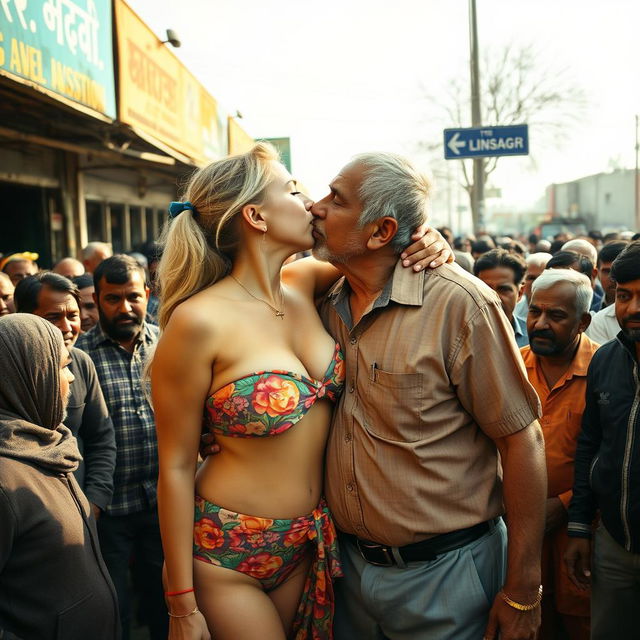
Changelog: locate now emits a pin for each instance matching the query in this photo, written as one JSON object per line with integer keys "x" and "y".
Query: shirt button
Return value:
{"x": 350, "y": 487}
{"x": 347, "y": 437}
{"x": 353, "y": 340}
{"x": 352, "y": 388}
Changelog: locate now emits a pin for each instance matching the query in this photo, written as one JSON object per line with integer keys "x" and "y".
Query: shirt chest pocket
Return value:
{"x": 392, "y": 406}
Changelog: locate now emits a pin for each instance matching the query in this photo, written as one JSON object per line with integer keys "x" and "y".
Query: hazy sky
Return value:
{"x": 344, "y": 76}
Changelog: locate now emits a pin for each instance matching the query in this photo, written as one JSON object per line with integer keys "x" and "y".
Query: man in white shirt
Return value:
{"x": 604, "y": 325}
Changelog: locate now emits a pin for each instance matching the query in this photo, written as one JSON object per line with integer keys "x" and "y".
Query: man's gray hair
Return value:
{"x": 539, "y": 259}
{"x": 92, "y": 247}
{"x": 393, "y": 187}
{"x": 583, "y": 247}
{"x": 580, "y": 282}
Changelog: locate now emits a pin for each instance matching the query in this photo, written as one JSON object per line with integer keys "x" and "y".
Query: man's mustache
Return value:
{"x": 632, "y": 318}
{"x": 542, "y": 333}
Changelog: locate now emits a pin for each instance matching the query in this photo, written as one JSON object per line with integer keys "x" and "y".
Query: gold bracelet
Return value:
{"x": 523, "y": 607}
{"x": 185, "y": 615}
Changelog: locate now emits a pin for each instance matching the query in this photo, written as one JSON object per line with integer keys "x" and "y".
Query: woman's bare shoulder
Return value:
{"x": 202, "y": 316}
{"x": 310, "y": 276}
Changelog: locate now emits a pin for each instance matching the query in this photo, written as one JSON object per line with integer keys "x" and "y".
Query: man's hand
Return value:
{"x": 507, "y": 623}
{"x": 525, "y": 491}
{"x": 208, "y": 445}
{"x": 95, "y": 509}
{"x": 555, "y": 516}
{"x": 577, "y": 557}
{"x": 429, "y": 249}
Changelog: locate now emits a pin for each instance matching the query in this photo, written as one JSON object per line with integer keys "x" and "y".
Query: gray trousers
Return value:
{"x": 448, "y": 598}
{"x": 615, "y": 590}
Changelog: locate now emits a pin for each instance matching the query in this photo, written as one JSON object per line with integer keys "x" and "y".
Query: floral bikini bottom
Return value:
{"x": 269, "y": 550}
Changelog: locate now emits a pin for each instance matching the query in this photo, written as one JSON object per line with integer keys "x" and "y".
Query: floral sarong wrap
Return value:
{"x": 269, "y": 549}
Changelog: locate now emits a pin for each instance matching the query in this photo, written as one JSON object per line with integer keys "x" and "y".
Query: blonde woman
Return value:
{"x": 241, "y": 338}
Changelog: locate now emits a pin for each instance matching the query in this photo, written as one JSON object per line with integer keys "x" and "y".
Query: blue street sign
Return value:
{"x": 483, "y": 142}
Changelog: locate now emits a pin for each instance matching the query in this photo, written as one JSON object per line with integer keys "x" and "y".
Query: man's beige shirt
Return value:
{"x": 433, "y": 377}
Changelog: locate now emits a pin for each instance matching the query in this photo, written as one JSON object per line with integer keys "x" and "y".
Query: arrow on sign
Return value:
{"x": 455, "y": 144}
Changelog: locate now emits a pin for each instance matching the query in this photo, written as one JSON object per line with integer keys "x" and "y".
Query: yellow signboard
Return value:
{"x": 239, "y": 140}
{"x": 159, "y": 96}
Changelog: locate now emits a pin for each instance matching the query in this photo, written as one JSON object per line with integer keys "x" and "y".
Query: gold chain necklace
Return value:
{"x": 279, "y": 314}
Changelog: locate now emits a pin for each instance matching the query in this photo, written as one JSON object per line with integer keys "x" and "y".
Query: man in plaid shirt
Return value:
{"x": 119, "y": 345}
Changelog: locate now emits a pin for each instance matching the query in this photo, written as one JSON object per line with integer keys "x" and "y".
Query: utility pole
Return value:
{"x": 476, "y": 121}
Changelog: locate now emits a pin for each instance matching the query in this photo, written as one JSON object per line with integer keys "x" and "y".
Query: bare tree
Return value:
{"x": 516, "y": 89}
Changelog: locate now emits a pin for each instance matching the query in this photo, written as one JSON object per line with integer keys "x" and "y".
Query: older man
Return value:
{"x": 581, "y": 263}
{"x": 69, "y": 268}
{"x": 431, "y": 397}
{"x": 557, "y": 361}
{"x": 94, "y": 253}
{"x": 55, "y": 298}
{"x": 585, "y": 248}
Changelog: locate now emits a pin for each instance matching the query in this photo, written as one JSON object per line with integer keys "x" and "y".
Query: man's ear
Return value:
{"x": 383, "y": 232}
{"x": 585, "y": 321}
{"x": 252, "y": 215}
{"x": 520, "y": 290}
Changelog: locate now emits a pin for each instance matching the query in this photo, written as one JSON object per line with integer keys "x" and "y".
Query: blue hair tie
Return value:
{"x": 176, "y": 208}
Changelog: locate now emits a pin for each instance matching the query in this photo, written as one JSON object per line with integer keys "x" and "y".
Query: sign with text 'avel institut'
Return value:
{"x": 483, "y": 142}
{"x": 61, "y": 47}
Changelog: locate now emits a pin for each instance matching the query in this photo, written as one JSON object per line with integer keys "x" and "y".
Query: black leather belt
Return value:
{"x": 382, "y": 555}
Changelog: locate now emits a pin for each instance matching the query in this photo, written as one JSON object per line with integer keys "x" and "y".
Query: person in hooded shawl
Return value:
{"x": 53, "y": 581}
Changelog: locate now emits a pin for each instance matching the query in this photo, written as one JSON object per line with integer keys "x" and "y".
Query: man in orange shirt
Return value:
{"x": 557, "y": 360}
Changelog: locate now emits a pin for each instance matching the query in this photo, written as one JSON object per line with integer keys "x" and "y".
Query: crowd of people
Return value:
{"x": 222, "y": 439}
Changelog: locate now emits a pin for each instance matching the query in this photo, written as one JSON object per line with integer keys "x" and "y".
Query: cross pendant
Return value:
{"x": 280, "y": 314}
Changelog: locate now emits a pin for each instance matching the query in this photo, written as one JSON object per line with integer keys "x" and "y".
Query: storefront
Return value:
{"x": 91, "y": 150}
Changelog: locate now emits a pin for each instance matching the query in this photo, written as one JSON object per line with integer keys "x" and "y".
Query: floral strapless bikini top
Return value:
{"x": 268, "y": 403}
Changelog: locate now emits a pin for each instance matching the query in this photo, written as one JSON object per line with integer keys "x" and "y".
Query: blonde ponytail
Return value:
{"x": 198, "y": 247}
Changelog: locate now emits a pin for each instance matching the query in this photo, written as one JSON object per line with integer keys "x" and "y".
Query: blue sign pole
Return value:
{"x": 486, "y": 142}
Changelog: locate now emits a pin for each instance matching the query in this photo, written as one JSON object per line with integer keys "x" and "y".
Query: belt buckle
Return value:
{"x": 385, "y": 551}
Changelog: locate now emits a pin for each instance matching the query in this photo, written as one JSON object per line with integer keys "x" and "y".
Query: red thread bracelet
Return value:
{"x": 178, "y": 593}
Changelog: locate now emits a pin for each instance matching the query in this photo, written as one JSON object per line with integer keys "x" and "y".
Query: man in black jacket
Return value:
{"x": 607, "y": 469}
{"x": 55, "y": 298}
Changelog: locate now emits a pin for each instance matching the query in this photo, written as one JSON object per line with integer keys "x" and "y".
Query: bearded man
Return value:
{"x": 607, "y": 470}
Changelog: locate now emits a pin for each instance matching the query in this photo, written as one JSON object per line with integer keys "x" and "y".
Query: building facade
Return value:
{"x": 604, "y": 201}
{"x": 100, "y": 125}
